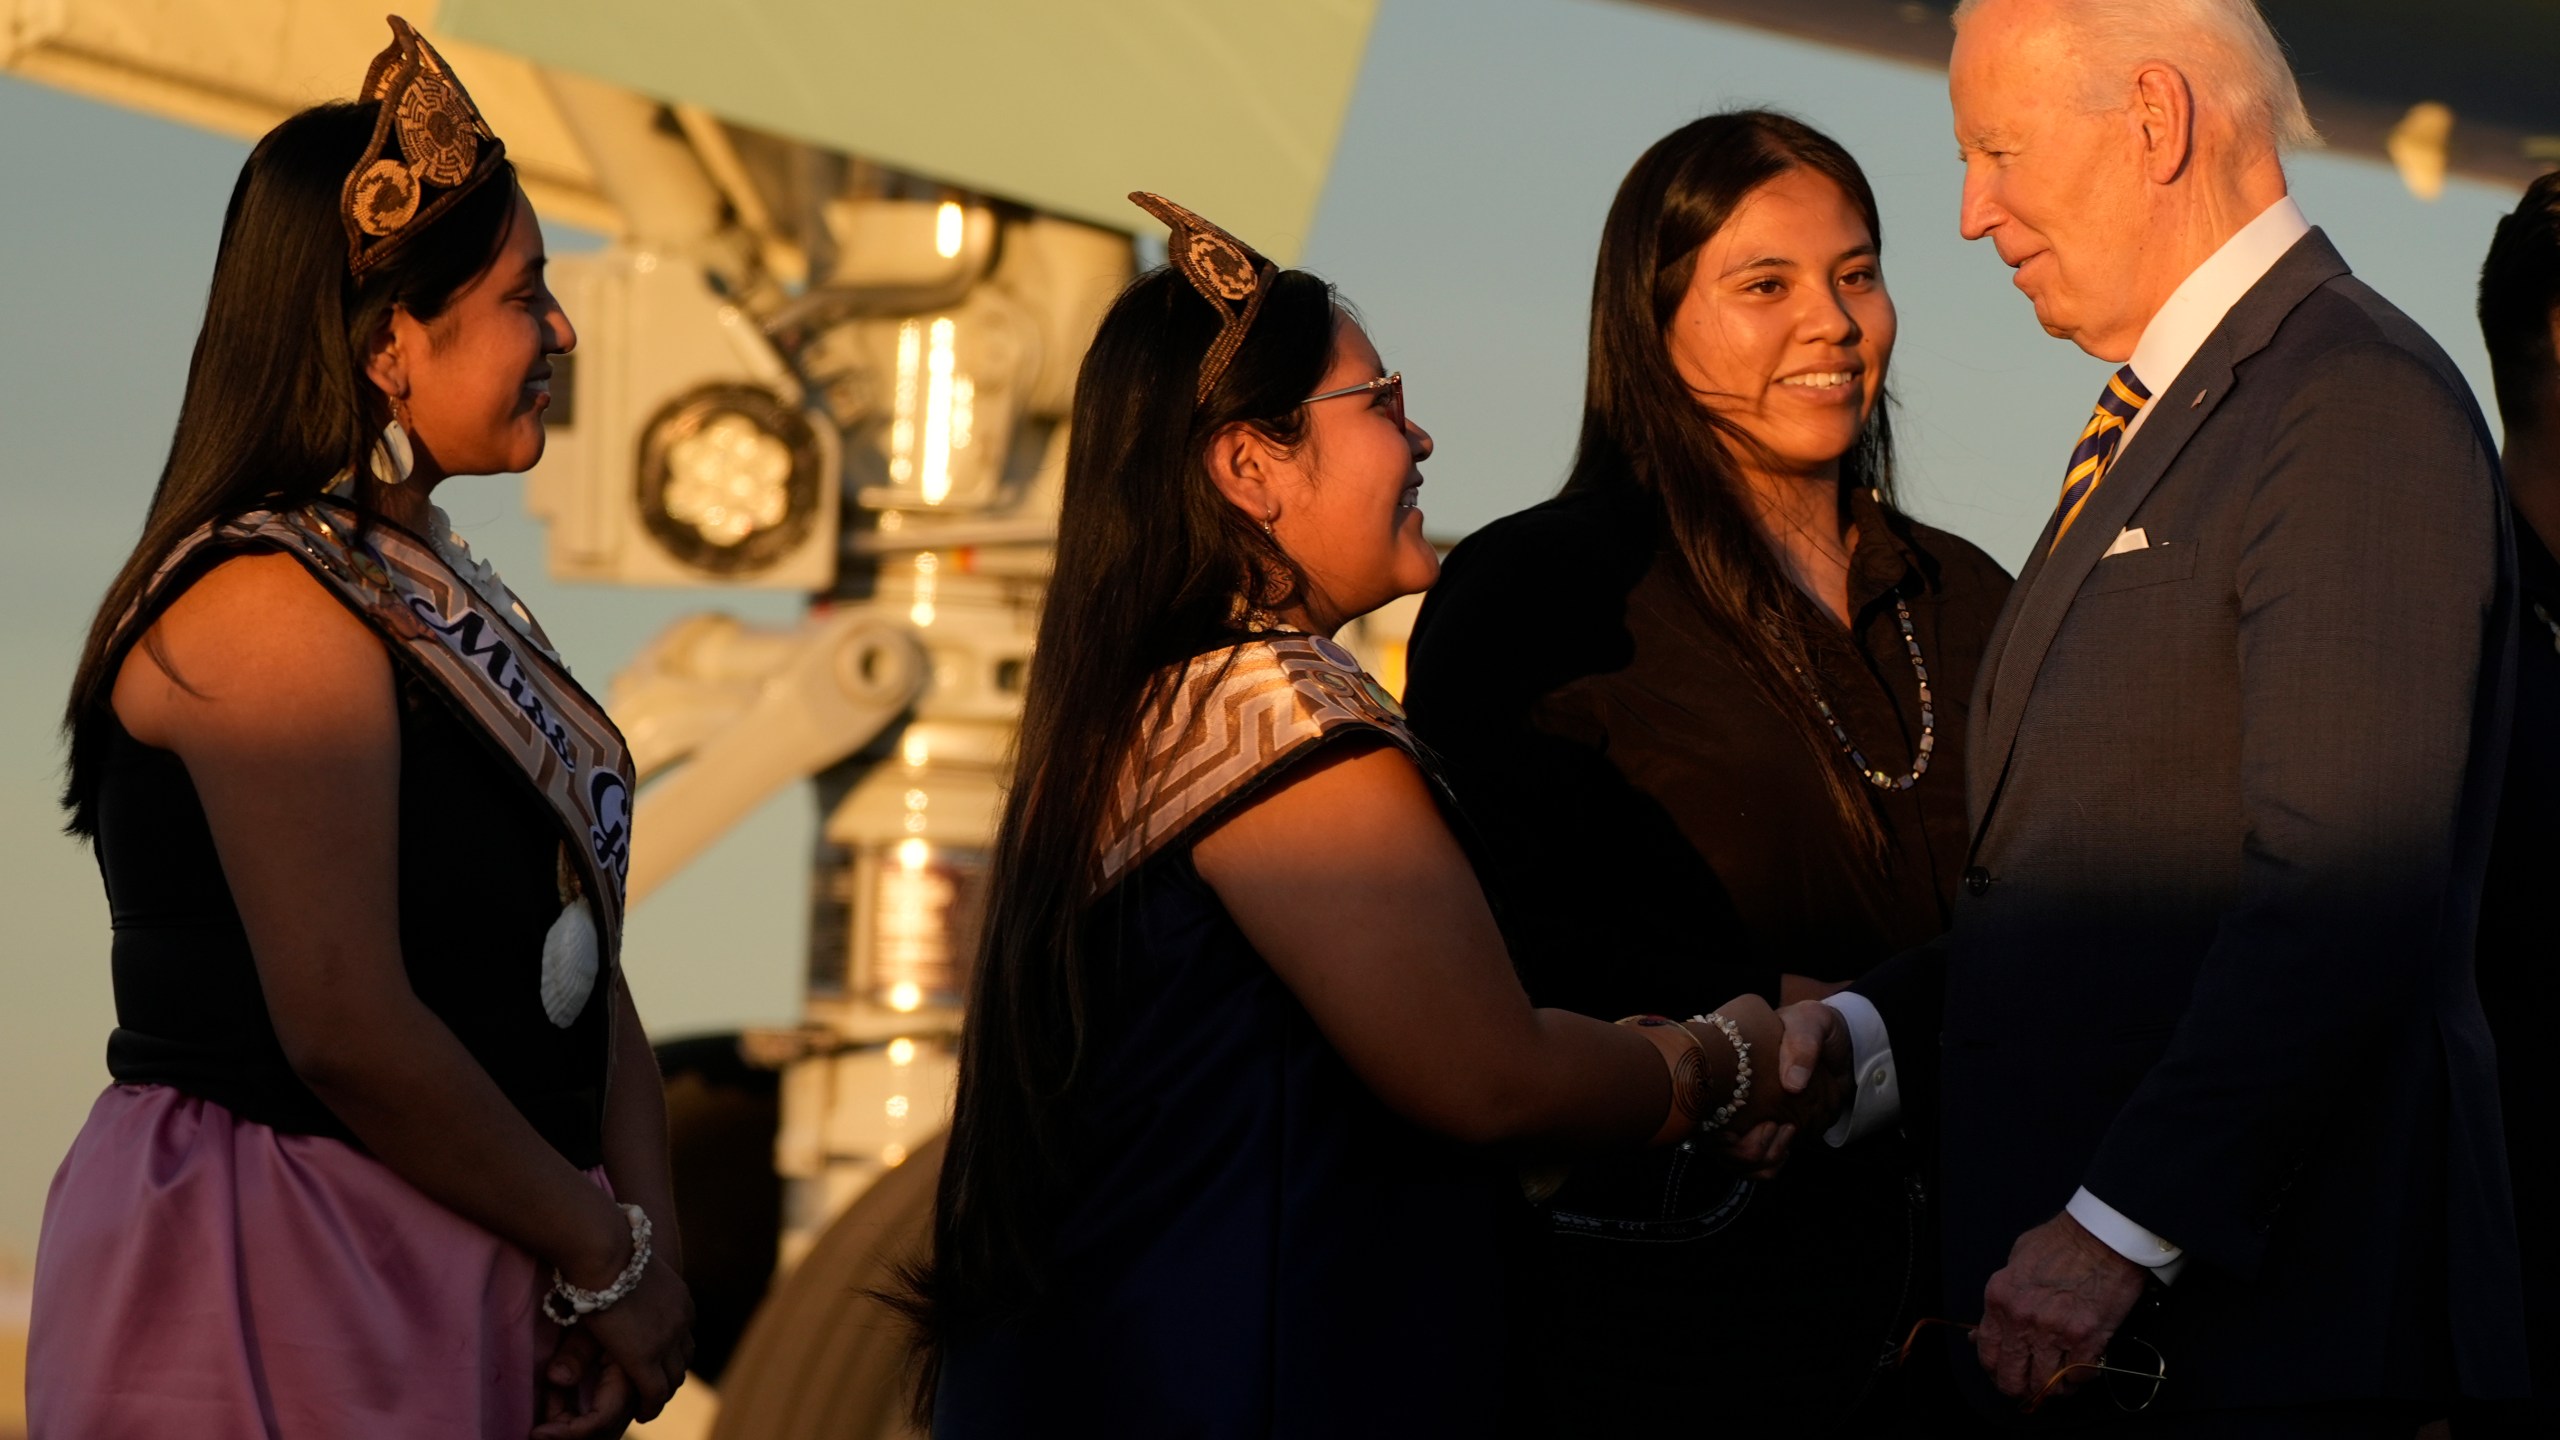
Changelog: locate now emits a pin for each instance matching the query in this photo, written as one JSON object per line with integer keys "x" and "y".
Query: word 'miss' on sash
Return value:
{"x": 515, "y": 694}
{"x": 1234, "y": 718}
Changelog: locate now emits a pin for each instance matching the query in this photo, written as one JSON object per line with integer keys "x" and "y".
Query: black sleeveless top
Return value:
{"x": 1249, "y": 1244}
{"x": 1257, "y": 1248}
{"x": 478, "y": 892}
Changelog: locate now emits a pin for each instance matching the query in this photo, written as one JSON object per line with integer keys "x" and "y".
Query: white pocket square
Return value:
{"x": 2131, "y": 539}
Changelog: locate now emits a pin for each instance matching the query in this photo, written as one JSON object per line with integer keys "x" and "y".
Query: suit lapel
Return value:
{"x": 2053, "y": 576}
{"x": 2047, "y": 599}
{"x": 1986, "y": 681}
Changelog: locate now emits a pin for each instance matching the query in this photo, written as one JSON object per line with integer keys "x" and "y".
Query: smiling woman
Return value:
{"x": 476, "y": 376}
{"x": 1243, "y": 1030}
{"x": 1783, "y": 333}
{"x": 1707, "y": 708}
{"x": 379, "y": 1084}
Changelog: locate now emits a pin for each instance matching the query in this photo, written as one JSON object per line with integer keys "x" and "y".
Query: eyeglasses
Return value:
{"x": 1391, "y": 385}
{"x": 2129, "y": 1384}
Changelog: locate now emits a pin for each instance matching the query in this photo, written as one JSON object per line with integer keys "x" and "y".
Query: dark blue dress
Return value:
{"x": 1259, "y": 1247}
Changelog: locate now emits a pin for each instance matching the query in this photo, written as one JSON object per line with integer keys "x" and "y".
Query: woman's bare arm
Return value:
{"x": 1347, "y": 880}
{"x": 635, "y": 1128}
{"x": 289, "y": 728}
{"x": 635, "y": 1160}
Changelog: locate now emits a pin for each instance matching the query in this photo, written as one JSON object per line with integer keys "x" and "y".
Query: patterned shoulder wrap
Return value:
{"x": 490, "y": 665}
{"x": 1238, "y": 715}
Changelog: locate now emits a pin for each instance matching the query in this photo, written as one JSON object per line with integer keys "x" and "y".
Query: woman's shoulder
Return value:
{"x": 1227, "y": 723}
{"x": 1552, "y": 575}
{"x": 254, "y": 626}
{"x": 1307, "y": 683}
{"x": 262, "y": 603}
{"x": 1574, "y": 538}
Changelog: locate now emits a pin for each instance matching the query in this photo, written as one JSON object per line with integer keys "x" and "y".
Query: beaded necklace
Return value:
{"x": 1928, "y": 712}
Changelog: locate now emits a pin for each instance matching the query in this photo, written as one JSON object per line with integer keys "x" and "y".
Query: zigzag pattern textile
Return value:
{"x": 1237, "y": 716}
{"x": 2123, "y": 399}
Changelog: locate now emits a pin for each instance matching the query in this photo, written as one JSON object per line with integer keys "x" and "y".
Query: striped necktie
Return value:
{"x": 2123, "y": 399}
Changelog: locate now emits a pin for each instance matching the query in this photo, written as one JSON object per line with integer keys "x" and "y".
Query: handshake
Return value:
{"x": 1800, "y": 1066}
{"x": 2048, "y": 1316}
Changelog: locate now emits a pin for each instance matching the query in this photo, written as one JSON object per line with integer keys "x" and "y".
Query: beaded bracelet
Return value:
{"x": 566, "y": 1305}
{"x": 1724, "y": 1113}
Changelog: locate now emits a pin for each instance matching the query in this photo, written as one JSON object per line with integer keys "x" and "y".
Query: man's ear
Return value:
{"x": 1241, "y": 464}
{"x": 2166, "y": 107}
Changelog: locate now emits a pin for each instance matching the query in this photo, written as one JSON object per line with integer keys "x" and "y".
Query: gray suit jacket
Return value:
{"x": 2232, "y": 794}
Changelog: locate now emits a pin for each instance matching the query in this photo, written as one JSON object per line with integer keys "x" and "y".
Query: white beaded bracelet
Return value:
{"x": 1741, "y": 1075}
{"x": 566, "y": 1305}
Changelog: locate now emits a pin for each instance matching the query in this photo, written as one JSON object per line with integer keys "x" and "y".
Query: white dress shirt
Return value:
{"x": 2172, "y": 338}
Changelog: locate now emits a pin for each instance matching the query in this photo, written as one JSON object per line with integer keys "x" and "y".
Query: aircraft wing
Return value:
{"x": 2364, "y": 65}
{"x": 239, "y": 66}
{"x": 1230, "y": 106}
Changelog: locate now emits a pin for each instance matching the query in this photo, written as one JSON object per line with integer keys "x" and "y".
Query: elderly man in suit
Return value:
{"x": 2202, "y": 1050}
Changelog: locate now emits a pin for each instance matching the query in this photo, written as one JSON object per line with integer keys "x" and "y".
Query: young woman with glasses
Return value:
{"x": 1248, "y": 1075}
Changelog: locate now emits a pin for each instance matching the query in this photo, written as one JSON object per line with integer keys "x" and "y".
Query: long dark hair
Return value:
{"x": 277, "y": 404}
{"x": 1645, "y": 434}
{"x": 1151, "y": 561}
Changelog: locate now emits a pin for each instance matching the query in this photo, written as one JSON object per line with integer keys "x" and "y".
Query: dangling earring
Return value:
{"x": 1246, "y": 612}
{"x": 393, "y": 458}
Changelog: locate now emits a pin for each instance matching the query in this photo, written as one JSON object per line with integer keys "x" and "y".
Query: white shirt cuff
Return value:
{"x": 1875, "y": 1100}
{"x": 2125, "y": 1237}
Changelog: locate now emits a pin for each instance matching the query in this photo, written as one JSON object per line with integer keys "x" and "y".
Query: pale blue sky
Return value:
{"x": 1483, "y": 144}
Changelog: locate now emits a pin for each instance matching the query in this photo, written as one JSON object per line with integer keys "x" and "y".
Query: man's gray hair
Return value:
{"x": 2223, "y": 47}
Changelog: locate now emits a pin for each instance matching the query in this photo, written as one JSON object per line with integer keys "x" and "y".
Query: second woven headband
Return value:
{"x": 1227, "y": 272}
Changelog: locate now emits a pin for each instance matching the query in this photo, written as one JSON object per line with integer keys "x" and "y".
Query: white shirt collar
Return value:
{"x": 2208, "y": 293}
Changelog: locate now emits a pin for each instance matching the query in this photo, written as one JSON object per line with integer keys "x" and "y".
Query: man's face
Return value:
{"x": 2059, "y": 192}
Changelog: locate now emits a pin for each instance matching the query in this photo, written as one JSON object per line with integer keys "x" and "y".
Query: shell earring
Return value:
{"x": 393, "y": 458}
{"x": 1268, "y": 533}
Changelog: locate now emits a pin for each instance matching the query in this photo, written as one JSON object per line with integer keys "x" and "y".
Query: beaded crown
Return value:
{"x": 1227, "y": 272}
{"x": 430, "y": 148}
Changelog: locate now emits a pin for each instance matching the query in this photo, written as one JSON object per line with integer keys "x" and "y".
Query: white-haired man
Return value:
{"x": 2204, "y": 1030}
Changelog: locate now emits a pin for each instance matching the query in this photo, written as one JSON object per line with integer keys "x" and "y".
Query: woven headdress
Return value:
{"x": 1227, "y": 272}
{"x": 430, "y": 148}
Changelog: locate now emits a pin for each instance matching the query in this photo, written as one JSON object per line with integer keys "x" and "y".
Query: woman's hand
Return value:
{"x": 647, "y": 1339}
{"x": 1757, "y": 1139}
{"x": 1805, "y": 1038}
{"x": 621, "y": 1363}
{"x": 1762, "y": 1033}
{"x": 579, "y": 1395}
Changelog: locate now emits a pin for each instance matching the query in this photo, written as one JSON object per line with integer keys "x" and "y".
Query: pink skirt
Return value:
{"x": 201, "y": 1276}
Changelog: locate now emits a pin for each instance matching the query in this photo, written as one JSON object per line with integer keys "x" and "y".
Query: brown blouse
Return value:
{"x": 1659, "y": 837}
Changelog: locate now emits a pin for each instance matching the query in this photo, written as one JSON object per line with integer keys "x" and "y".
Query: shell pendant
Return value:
{"x": 569, "y": 963}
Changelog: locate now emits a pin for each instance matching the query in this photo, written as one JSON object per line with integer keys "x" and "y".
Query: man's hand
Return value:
{"x": 1811, "y": 1069}
{"x": 2057, "y": 1303}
